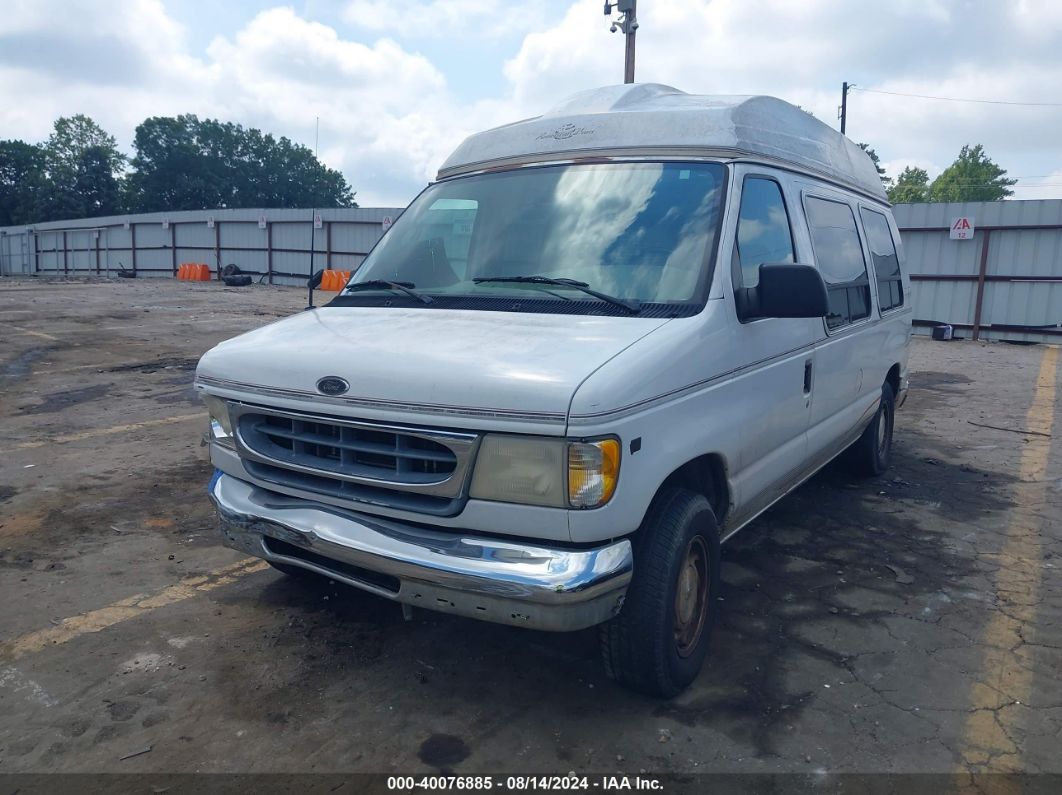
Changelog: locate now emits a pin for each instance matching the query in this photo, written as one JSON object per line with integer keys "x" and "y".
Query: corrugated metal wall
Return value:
{"x": 155, "y": 244}
{"x": 1004, "y": 283}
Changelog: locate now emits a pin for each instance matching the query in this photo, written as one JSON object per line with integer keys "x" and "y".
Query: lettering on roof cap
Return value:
{"x": 565, "y": 132}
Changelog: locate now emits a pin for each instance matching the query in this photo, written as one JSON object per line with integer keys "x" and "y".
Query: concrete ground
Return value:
{"x": 911, "y": 623}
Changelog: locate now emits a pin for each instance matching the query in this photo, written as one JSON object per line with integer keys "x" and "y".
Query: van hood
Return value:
{"x": 454, "y": 360}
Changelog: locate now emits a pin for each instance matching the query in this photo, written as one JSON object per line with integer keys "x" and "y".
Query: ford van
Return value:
{"x": 598, "y": 345}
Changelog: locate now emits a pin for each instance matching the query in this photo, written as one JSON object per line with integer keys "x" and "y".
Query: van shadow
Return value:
{"x": 838, "y": 552}
{"x": 818, "y": 574}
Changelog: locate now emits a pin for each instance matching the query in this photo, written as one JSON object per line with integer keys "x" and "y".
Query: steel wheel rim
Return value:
{"x": 691, "y": 597}
{"x": 883, "y": 430}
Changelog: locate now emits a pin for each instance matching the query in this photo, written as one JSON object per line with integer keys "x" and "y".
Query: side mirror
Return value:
{"x": 312, "y": 284}
{"x": 786, "y": 289}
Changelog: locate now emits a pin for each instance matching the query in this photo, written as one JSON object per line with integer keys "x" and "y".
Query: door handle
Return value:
{"x": 807, "y": 377}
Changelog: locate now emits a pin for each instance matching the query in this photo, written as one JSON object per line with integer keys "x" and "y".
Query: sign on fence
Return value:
{"x": 962, "y": 228}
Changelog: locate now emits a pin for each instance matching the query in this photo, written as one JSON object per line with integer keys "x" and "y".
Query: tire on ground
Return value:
{"x": 870, "y": 454}
{"x": 649, "y": 646}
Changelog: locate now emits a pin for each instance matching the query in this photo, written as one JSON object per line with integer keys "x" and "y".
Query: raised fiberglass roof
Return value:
{"x": 661, "y": 119}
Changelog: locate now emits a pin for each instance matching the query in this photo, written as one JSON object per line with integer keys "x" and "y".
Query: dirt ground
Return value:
{"x": 911, "y": 623}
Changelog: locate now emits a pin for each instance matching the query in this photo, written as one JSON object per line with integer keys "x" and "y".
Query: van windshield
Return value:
{"x": 638, "y": 233}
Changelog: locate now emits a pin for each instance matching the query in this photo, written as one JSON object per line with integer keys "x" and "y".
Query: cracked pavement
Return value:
{"x": 910, "y": 623}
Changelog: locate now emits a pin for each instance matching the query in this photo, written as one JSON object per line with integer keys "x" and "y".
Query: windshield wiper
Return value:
{"x": 383, "y": 284}
{"x": 630, "y": 304}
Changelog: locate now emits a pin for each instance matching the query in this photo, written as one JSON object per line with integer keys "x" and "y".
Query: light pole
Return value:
{"x": 842, "y": 112}
{"x": 628, "y": 24}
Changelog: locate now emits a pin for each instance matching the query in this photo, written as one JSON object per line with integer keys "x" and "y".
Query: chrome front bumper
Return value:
{"x": 522, "y": 584}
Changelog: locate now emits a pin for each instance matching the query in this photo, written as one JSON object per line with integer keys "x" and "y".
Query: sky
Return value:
{"x": 397, "y": 84}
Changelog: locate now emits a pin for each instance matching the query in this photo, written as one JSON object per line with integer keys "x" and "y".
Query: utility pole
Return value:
{"x": 628, "y": 24}
{"x": 845, "y": 88}
{"x": 316, "y": 172}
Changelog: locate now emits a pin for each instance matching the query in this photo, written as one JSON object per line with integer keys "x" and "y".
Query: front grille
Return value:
{"x": 406, "y": 468}
{"x": 349, "y": 491}
{"x": 348, "y": 450}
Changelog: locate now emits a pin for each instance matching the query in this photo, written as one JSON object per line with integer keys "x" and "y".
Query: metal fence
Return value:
{"x": 273, "y": 245}
{"x": 1003, "y": 282}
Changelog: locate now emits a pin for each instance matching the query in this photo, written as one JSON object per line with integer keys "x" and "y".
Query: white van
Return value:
{"x": 602, "y": 342}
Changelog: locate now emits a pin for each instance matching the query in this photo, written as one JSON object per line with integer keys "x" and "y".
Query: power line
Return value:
{"x": 1018, "y": 184}
{"x": 958, "y": 99}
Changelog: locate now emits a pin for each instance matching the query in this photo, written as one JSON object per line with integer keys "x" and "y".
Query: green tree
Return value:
{"x": 911, "y": 187}
{"x": 973, "y": 177}
{"x": 22, "y": 182}
{"x": 185, "y": 163}
{"x": 77, "y": 156}
{"x": 885, "y": 181}
{"x": 95, "y": 183}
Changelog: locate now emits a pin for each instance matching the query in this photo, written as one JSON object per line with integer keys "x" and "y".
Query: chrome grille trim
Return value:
{"x": 362, "y": 454}
{"x": 471, "y": 412}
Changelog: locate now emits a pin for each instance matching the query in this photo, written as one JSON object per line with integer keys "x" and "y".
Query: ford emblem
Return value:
{"x": 332, "y": 385}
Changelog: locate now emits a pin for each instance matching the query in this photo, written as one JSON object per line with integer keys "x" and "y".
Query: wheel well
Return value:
{"x": 893, "y": 379}
{"x": 705, "y": 475}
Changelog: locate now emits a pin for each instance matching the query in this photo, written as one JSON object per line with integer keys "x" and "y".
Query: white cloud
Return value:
{"x": 803, "y": 51}
{"x": 381, "y": 107}
{"x": 438, "y": 18}
{"x": 390, "y": 115}
{"x": 1047, "y": 186}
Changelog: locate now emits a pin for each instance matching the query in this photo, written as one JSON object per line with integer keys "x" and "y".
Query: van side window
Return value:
{"x": 763, "y": 233}
{"x": 839, "y": 255}
{"x": 883, "y": 257}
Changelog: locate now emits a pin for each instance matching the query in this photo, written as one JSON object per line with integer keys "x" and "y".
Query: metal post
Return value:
{"x": 98, "y": 251}
{"x": 66, "y": 269}
{"x": 217, "y": 245}
{"x": 328, "y": 245}
{"x": 132, "y": 243}
{"x": 986, "y": 236}
{"x": 631, "y": 31}
{"x": 36, "y": 253}
{"x": 173, "y": 248}
{"x": 844, "y": 105}
{"x": 269, "y": 251}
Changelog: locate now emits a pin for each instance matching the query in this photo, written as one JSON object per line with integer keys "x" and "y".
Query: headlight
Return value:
{"x": 593, "y": 469}
{"x": 220, "y": 424}
{"x": 522, "y": 469}
{"x": 543, "y": 471}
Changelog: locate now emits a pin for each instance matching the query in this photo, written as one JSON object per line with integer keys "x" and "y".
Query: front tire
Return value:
{"x": 872, "y": 452}
{"x": 658, "y": 642}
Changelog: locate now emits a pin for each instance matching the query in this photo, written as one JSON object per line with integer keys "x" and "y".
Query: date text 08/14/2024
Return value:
{"x": 524, "y": 783}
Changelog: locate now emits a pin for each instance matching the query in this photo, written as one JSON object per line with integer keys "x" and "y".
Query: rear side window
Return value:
{"x": 883, "y": 257}
{"x": 763, "y": 233}
{"x": 839, "y": 255}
